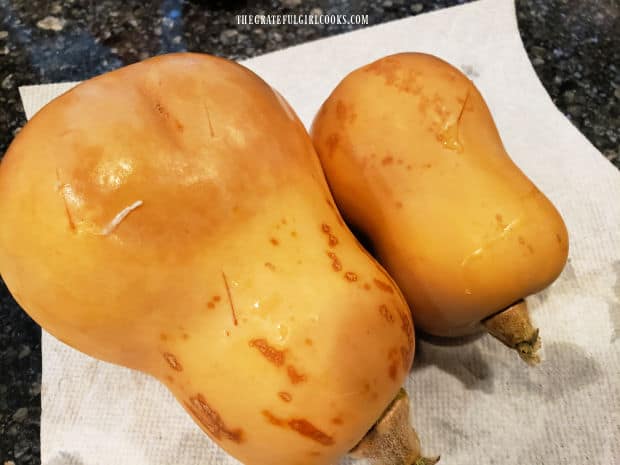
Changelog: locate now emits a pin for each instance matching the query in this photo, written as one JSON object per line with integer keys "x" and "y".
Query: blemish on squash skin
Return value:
{"x": 407, "y": 329}
{"x": 271, "y": 418}
{"x": 386, "y": 313}
{"x": 385, "y": 287}
{"x": 270, "y": 265}
{"x": 337, "y": 421}
{"x": 331, "y": 143}
{"x": 294, "y": 375}
{"x": 301, "y": 426}
{"x": 393, "y": 356}
{"x": 166, "y": 115}
{"x": 308, "y": 342}
{"x": 332, "y": 240}
{"x": 285, "y": 396}
{"x": 185, "y": 336}
{"x": 350, "y": 276}
{"x": 336, "y": 265}
{"x": 274, "y": 241}
{"x": 344, "y": 113}
{"x": 387, "y": 160}
{"x": 230, "y": 300}
{"x": 172, "y": 361}
{"x": 305, "y": 428}
{"x": 275, "y": 356}
{"x": 405, "y": 357}
{"x": 67, "y": 211}
{"x": 163, "y": 337}
{"x": 211, "y": 420}
{"x": 341, "y": 111}
{"x": 392, "y": 371}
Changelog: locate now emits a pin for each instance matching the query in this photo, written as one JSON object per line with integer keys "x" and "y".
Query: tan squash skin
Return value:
{"x": 414, "y": 160}
{"x": 234, "y": 282}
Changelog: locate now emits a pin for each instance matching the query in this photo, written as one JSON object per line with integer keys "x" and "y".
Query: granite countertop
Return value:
{"x": 575, "y": 49}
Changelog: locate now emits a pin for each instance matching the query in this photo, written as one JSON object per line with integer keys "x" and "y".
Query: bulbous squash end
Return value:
{"x": 392, "y": 440}
{"x": 513, "y": 327}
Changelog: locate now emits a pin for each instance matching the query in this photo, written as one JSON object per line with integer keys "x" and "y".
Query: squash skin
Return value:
{"x": 415, "y": 162}
{"x": 233, "y": 281}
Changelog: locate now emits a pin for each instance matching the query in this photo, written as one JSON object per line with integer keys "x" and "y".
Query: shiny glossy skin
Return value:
{"x": 172, "y": 217}
{"x": 414, "y": 160}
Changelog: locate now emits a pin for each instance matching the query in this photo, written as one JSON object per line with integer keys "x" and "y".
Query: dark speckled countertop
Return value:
{"x": 574, "y": 46}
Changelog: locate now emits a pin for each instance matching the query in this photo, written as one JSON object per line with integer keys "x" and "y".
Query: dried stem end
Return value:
{"x": 513, "y": 327}
{"x": 392, "y": 440}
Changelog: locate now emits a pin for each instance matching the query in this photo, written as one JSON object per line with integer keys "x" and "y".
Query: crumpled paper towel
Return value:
{"x": 474, "y": 401}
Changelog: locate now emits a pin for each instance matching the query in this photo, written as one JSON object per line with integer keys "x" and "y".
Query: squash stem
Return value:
{"x": 513, "y": 327}
{"x": 392, "y": 440}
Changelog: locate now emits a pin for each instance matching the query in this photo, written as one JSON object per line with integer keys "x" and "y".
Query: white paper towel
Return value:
{"x": 475, "y": 403}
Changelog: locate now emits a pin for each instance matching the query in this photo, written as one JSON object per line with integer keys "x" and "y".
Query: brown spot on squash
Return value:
{"x": 332, "y": 240}
{"x": 307, "y": 429}
{"x": 211, "y": 305}
{"x": 387, "y": 160}
{"x": 274, "y": 241}
{"x": 211, "y": 420}
{"x": 185, "y": 336}
{"x": 393, "y": 371}
{"x": 294, "y": 375}
{"x": 399, "y": 204}
{"x": 216, "y": 298}
{"x": 386, "y": 313}
{"x": 405, "y": 357}
{"x": 385, "y": 287}
{"x": 270, "y": 265}
{"x": 407, "y": 328}
{"x": 285, "y": 396}
{"x": 308, "y": 341}
{"x": 341, "y": 111}
{"x": 163, "y": 336}
{"x": 172, "y": 361}
{"x": 337, "y": 421}
{"x": 275, "y": 356}
{"x": 301, "y": 426}
{"x": 331, "y": 143}
{"x": 271, "y": 418}
{"x": 350, "y": 276}
{"x": 336, "y": 265}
